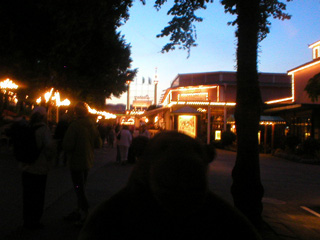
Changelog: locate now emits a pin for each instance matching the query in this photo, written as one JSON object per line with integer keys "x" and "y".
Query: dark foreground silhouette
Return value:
{"x": 167, "y": 197}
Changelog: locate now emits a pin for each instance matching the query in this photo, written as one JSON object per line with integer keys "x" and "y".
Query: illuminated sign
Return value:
{"x": 187, "y": 125}
{"x": 217, "y": 135}
{"x": 202, "y": 96}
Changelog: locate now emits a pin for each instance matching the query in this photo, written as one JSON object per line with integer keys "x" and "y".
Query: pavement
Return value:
{"x": 105, "y": 179}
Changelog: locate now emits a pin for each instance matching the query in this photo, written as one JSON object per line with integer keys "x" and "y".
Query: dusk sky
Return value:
{"x": 285, "y": 47}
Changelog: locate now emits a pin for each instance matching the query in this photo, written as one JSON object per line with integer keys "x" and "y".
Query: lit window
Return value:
{"x": 316, "y": 52}
{"x": 217, "y": 135}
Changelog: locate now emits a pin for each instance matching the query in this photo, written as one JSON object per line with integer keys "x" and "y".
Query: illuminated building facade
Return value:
{"x": 301, "y": 114}
{"x": 141, "y": 103}
{"x": 202, "y": 104}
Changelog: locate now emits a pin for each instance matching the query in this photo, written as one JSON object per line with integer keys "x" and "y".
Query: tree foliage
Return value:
{"x": 182, "y": 30}
{"x": 313, "y": 87}
{"x": 70, "y": 45}
{"x": 267, "y": 9}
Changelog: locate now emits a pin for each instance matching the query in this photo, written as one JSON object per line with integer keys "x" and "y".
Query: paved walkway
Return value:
{"x": 105, "y": 179}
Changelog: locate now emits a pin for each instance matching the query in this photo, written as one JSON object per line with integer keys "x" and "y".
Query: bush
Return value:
{"x": 310, "y": 147}
{"x": 291, "y": 142}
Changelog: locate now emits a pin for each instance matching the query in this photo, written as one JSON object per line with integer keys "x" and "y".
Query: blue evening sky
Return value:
{"x": 285, "y": 47}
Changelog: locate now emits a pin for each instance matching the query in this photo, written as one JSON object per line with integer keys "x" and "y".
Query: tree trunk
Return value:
{"x": 247, "y": 190}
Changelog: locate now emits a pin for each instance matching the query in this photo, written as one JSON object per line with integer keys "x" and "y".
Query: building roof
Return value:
{"x": 304, "y": 66}
{"x": 222, "y": 77}
{"x": 263, "y": 118}
{"x": 314, "y": 44}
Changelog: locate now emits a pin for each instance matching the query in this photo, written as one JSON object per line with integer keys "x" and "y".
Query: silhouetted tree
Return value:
{"x": 72, "y": 45}
{"x": 252, "y": 26}
{"x": 313, "y": 87}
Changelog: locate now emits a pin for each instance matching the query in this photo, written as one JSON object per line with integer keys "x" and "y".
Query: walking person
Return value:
{"x": 144, "y": 131}
{"x": 117, "y": 134}
{"x": 79, "y": 142}
{"x": 59, "y": 133}
{"x": 111, "y": 134}
{"x": 124, "y": 142}
{"x": 34, "y": 175}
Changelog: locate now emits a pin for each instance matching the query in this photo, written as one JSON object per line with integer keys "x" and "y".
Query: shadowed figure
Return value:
{"x": 167, "y": 197}
{"x": 136, "y": 148}
{"x": 79, "y": 142}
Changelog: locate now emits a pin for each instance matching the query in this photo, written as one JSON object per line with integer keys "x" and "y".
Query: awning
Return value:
{"x": 263, "y": 118}
{"x": 155, "y": 111}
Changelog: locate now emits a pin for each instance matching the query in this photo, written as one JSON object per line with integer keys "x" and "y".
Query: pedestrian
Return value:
{"x": 117, "y": 134}
{"x": 123, "y": 141}
{"x": 111, "y": 134}
{"x": 102, "y": 131}
{"x": 167, "y": 197}
{"x": 136, "y": 148}
{"x": 79, "y": 142}
{"x": 34, "y": 175}
{"x": 59, "y": 133}
{"x": 144, "y": 131}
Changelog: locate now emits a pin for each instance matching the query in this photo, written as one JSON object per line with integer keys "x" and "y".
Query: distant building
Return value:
{"x": 141, "y": 103}
{"x": 116, "y": 108}
{"x": 202, "y": 104}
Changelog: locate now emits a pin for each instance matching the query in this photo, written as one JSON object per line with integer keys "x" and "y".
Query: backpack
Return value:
{"x": 24, "y": 143}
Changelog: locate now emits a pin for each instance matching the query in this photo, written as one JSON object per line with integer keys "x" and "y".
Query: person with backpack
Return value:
{"x": 79, "y": 142}
{"x": 35, "y": 165}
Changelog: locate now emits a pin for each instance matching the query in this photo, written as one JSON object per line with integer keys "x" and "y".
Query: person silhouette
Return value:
{"x": 167, "y": 197}
{"x": 79, "y": 142}
{"x": 34, "y": 175}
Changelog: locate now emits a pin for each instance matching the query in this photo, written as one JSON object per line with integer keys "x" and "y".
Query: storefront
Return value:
{"x": 200, "y": 104}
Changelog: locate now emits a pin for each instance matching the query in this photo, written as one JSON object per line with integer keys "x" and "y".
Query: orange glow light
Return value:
{"x": 279, "y": 100}
{"x": 201, "y": 103}
{"x": 102, "y": 113}
{"x": 8, "y": 84}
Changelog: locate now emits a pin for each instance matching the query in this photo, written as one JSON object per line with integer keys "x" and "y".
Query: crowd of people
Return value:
{"x": 126, "y": 139}
{"x": 71, "y": 143}
{"x": 166, "y": 196}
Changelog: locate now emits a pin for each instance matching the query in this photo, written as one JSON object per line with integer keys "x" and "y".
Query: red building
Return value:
{"x": 301, "y": 114}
